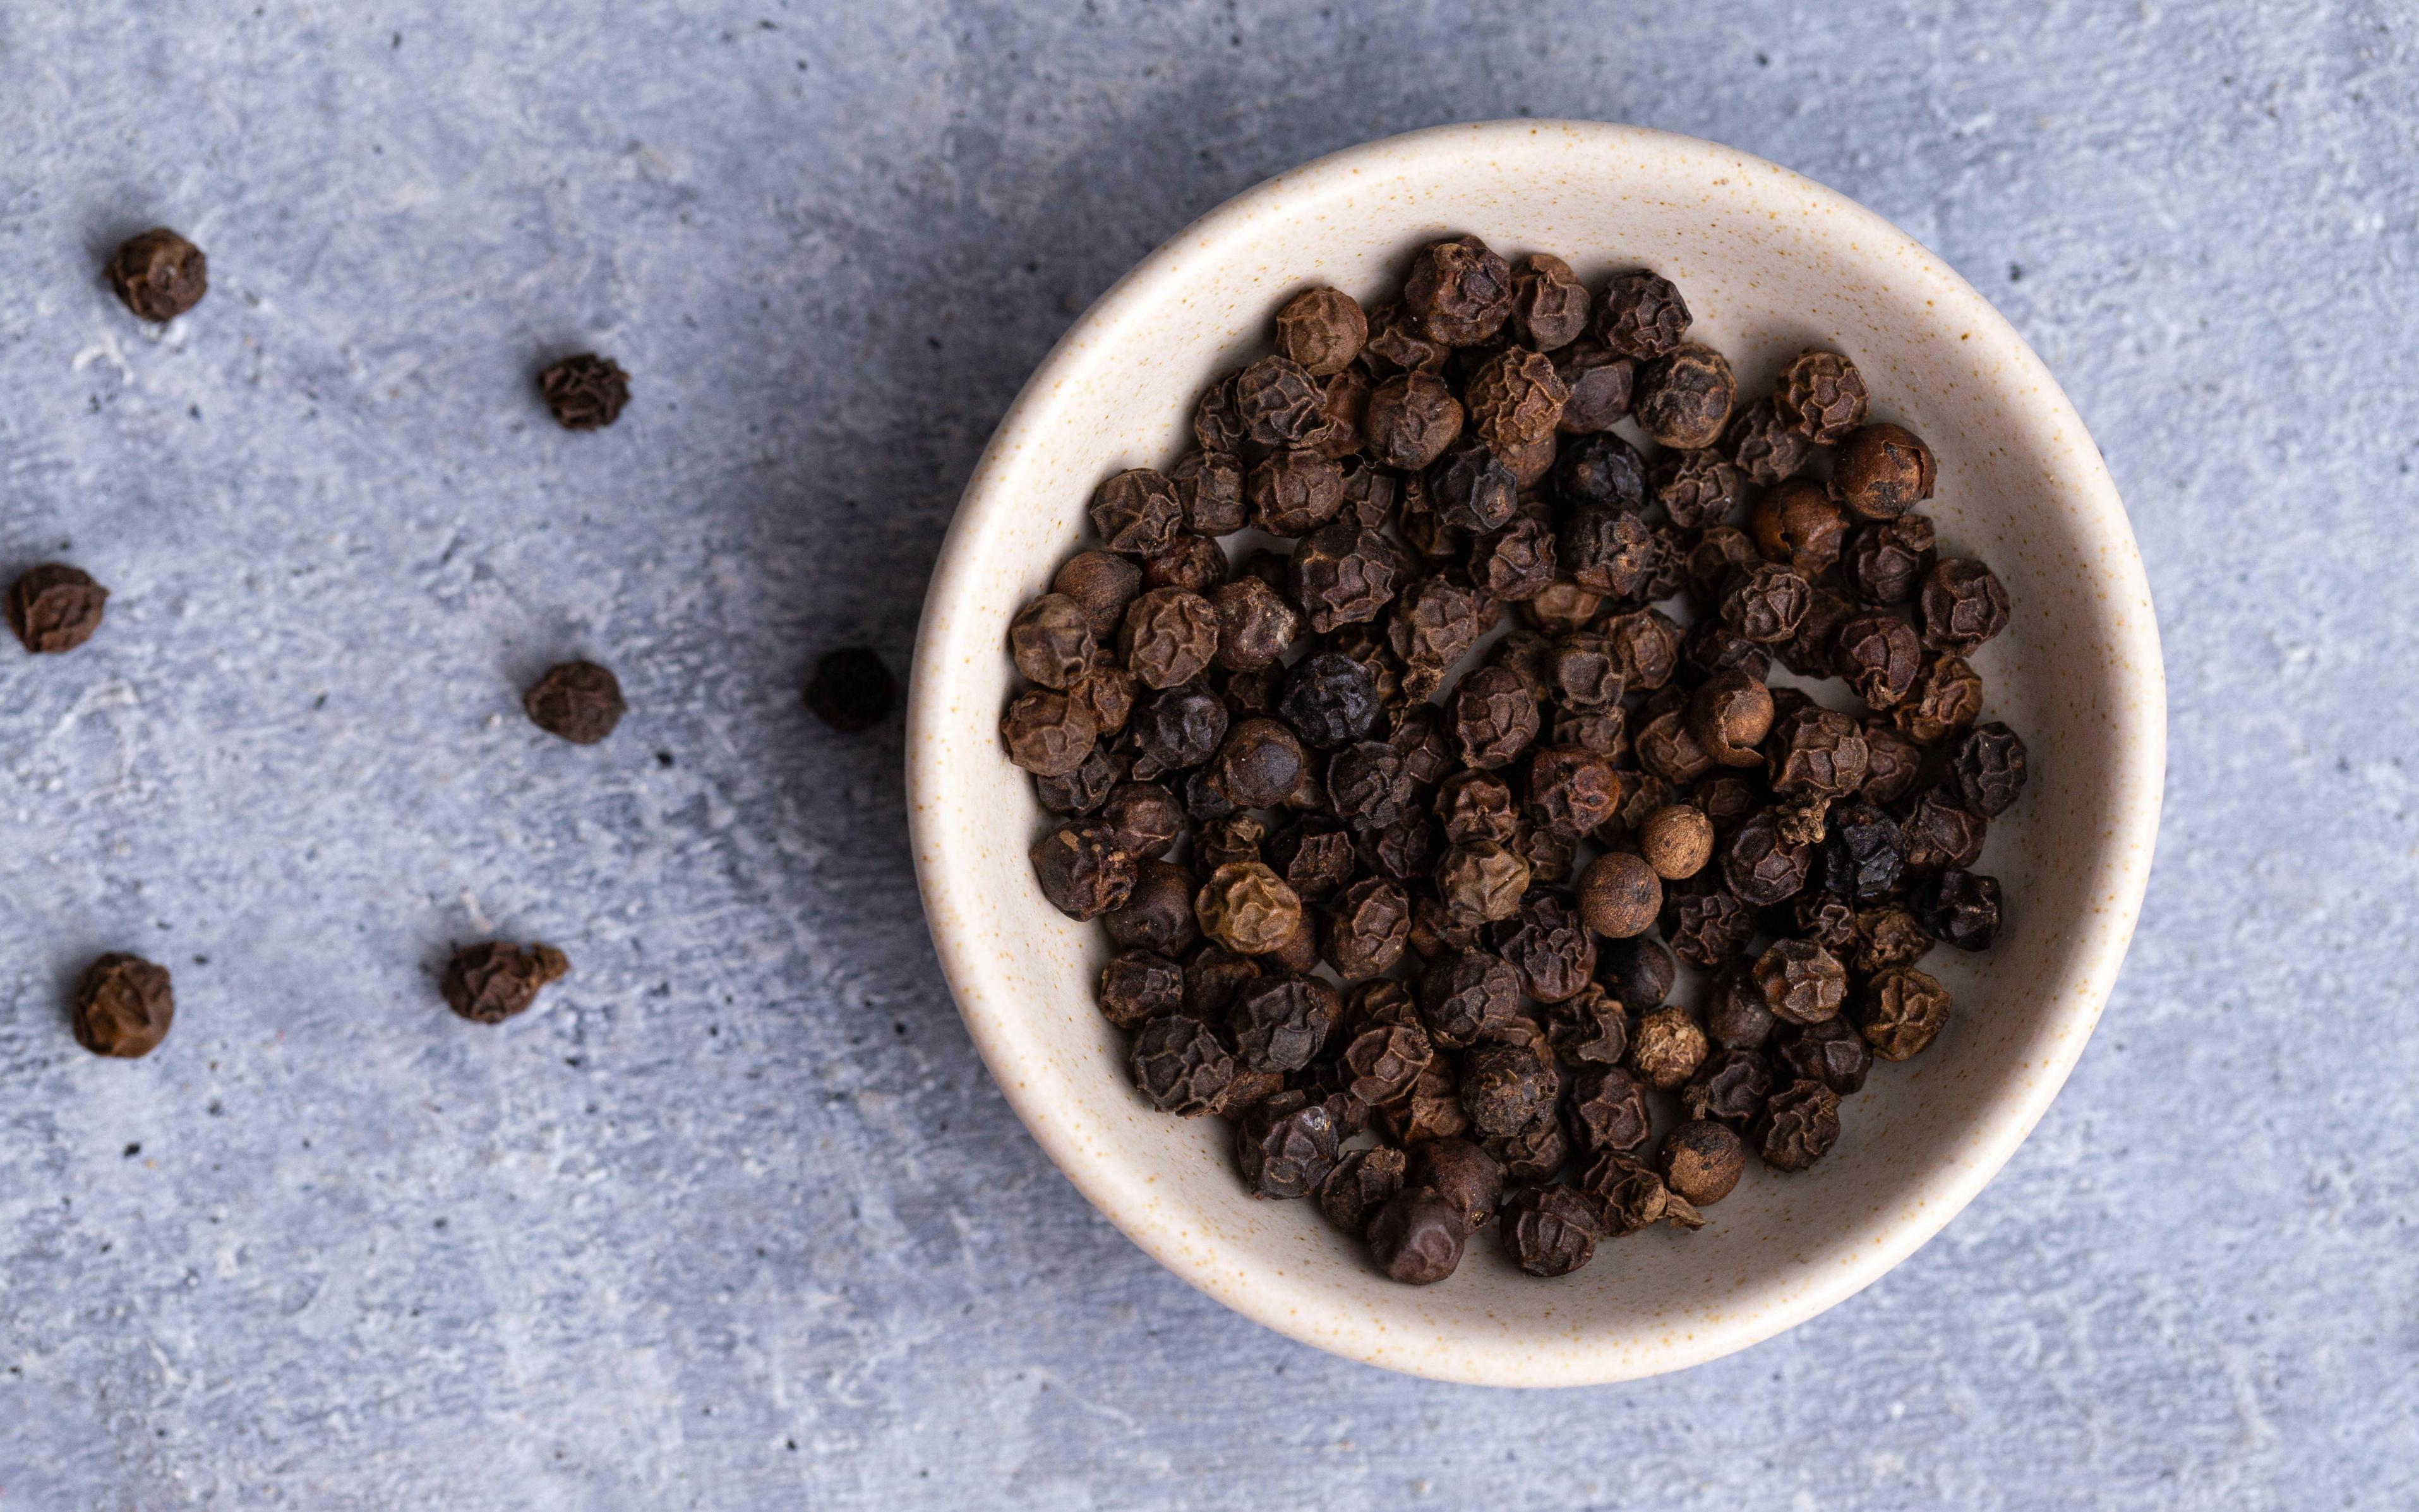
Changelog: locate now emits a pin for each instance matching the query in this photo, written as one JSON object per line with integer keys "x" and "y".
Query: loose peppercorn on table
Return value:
{"x": 1359, "y": 892}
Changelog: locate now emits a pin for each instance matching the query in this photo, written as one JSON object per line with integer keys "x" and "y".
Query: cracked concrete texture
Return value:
{"x": 735, "y": 1218}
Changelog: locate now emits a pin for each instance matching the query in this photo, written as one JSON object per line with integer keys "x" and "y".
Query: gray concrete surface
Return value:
{"x": 737, "y": 1220}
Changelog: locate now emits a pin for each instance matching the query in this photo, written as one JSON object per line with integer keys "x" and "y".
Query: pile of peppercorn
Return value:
{"x": 1400, "y": 927}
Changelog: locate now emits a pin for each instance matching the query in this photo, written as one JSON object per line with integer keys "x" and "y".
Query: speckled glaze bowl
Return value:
{"x": 1770, "y": 264}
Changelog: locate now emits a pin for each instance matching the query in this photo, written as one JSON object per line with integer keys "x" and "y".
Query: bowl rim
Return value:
{"x": 1224, "y": 1275}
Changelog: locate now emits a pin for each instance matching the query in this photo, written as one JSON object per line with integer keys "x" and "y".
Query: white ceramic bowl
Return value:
{"x": 1770, "y": 264}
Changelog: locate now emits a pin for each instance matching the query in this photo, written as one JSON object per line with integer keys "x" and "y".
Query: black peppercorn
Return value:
{"x": 1961, "y": 908}
{"x": 125, "y": 1004}
{"x": 584, "y": 392}
{"x": 1702, "y": 1161}
{"x": 1137, "y": 985}
{"x": 1964, "y": 605}
{"x": 489, "y": 983}
{"x": 582, "y": 702}
{"x": 1460, "y": 291}
{"x": 1181, "y": 1064}
{"x": 1823, "y": 396}
{"x": 1883, "y": 472}
{"x": 1607, "y": 1110}
{"x": 1903, "y": 1012}
{"x": 1550, "y": 1230}
{"x": 1640, "y": 314}
{"x": 1684, "y": 399}
{"x": 159, "y": 274}
{"x": 1988, "y": 767}
{"x": 1765, "y": 447}
{"x": 1322, "y": 329}
{"x": 1417, "y": 1237}
{"x": 1598, "y": 380}
{"x": 1470, "y": 488}
{"x": 1363, "y": 1181}
{"x": 55, "y": 608}
{"x": 1707, "y": 927}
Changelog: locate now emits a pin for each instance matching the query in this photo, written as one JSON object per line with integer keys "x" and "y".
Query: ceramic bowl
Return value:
{"x": 1771, "y": 264}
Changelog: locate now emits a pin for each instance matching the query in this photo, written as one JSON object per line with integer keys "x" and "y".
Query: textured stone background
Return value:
{"x": 737, "y": 1219}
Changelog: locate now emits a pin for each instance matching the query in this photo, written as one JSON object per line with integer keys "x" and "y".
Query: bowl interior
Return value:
{"x": 1770, "y": 264}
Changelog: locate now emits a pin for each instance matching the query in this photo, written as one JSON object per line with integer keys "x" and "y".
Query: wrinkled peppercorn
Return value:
{"x": 1281, "y": 1022}
{"x": 1729, "y": 717}
{"x": 1209, "y": 485}
{"x": 1517, "y": 562}
{"x": 1632, "y": 1196}
{"x": 582, "y": 702}
{"x": 1706, "y": 928}
{"x": 1667, "y": 1048}
{"x": 1181, "y": 1064}
{"x": 1607, "y": 1110}
{"x": 1988, "y": 767}
{"x": 1588, "y": 1029}
{"x": 1735, "y": 1013}
{"x": 1476, "y": 806}
{"x": 1830, "y": 1052}
{"x": 1731, "y": 1085}
{"x": 1278, "y": 402}
{"x": 1157, "y": 914}
{"x": 124, "y": 1005}
{"x": 1939, "y": 833}
{"x": 1684, "y": 399}
{"x": 1698, "y": 489}
{"x": 1322, "y": 329}
{"x": 1550, "y": 1230}
{"x": 55, "y": 608}
{"x": 1797, "y": 1127}
{"x": 1765, "y": 603}
{"x": 1798, "y": 525}
{"x": 1293, "y": 491}
{"x": 1472, "y": 488}
{"x": 1763, "y": 865}
{"x": 1137, "y": 985}
{"x": 1481, "y": 882}
{"x": 1801, "y": 982}
{"x": 1961, "y": 908}
{"x": 159, "y": 274}
{"x": 1050, "y": 641}
{"x": 1417, "y": 1237}
{"x": 1193, "y": 562}
{"x": 1176, "y": 729}
{"x": 1880, "y": 656}
{"x": 1863, "y": 853}
{"x": 1816, "y": 752}
{"x": 1505, "y": 1088}
{"x": 1550, "y": 305}
{"x": 1104, "y": 583}
{"x": 1883, "y": 472}
{"x": 1903, "y": 1010}
{"x": 1962, "y": 604}
{"x": 486, "y": 983}
{"x": 1888, "y": 561}
{"x": 1081, "y": 869}
{"x": 1572, "y": 790}
{"x": 1702, "y": 1161}
{"x": 1411, "y": 419}
{"x": 1344, "y": 573}
{"x": 1515, "y": 399}
{"x": 1598, "y": 380}
{"x": 1889, "y": 935}
{"x": 1462, "y": 1174}
{"x": 1946, "y": 699}
{"x": 1768, "y": 449}
{"x": 1466, "y": 996}
{"x": 1601, "y": 471}
{"x": 1047, "y": 733}
{"x": 1823, "y": 396}
{"x": 1137, "y": 512}
{"x": 583, "y": 391}
{"x": 1545, "y": 944}
{"x": 1640, "y": 314}
{"x": 1363, "y": 1181}
{"x": 1460, "y": 291}
{"x": 1492, "y": 719}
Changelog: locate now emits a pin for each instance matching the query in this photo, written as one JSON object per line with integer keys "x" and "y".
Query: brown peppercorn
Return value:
{"x": 1470, "y": 488}
{"x": 1598, "y": 380}
{"x": 1049, "y": 734}
{"x": 1138, "y": 985}
{"x": 1465, "y": 997}
{"x": 124, "y": 1005}
{"x": 1646, "y": 646}
{"x": 1431, "y": 625}
{"x": 1666, "y": 748}
{"x": 584, "y": 392}
{"x": 1213, "y": 976}
{"x": 1517, "y": 562}
{"x": 1081, "y": 790}
{"x": 580, "y": 702}
{"x": 490, "y": 983}
{"x": 1137, "y": 512}
{"x": 1366, "y": 933}
{"x": 1181, "y": 1064}
{"x": 1767, "y": 448}
{"x": 1816, "y": 751}
{"x": 1607, "y": 1110}
{"x": 1676, "y": 842}
{"x": 1830, "y": 1052}
{"x": 1417, "y": 1237}
{"x": 1571, "y": 791}
{"x": 1363, "y": 1181}
{"x": 1460, "y": 291}
{"x": 1588, "y": 1030}
{"x": 1964, "y": 605}
{"x": 1465, "y": 1176}
{"x": 1825, "y": 918}
{"x": 1322, "y": 329}
{"x": 1719, "y": 553}
{"x": 1492, "y": 719}
{"x": 1702, "y": 1161}
{"x": 1256, "y": 626}
{"x": 1730, "y": 800}
{"x": 159, "y": 274}
{"x": 1282, "y": 1021}
{"x": 1799, "y": 1125}
{"x": 1050, "y": 641}
{"x": 1959, "y": 908}
{"x": 1550, "y": 1230}
{"x": 1549, "y": 304}
{"x": 1343, "y": 574}
{"x": 1505, "y": 1088}
{"x": 1103, "y": 584}
{"x": 1620, "y": 895}
{"x": 1801, "y": 982}
{"x": 1800, "y": 818}
{"x": 1177, "y": 728}
{"x": 1583, "y": 672}
{"x": 1946, "y": 699}
{"x": 1730, "y": 1087}
{"x": 1989, "y": 767}
{"x": 1765, "y": 603}
{"x": 1168, "y": 637}
{"x": 55, "y": 608}
{"x": 1217, "y": 426}
{"x": 1529, "y": 462}
{"x": 1762, "y": 864}
{"x": 1293, "y": 491}
{"x": 1278, "y": 402}
{"x": 1901, "y": 1012}
{"x": 1193, "y": 562}
{"x": 1706, "y": 928}
{"x": 1668, "y": 1048}
{"x": 1157, "y": 914}
{"x": 1235, "y": 838}
{"x": 1480, "y": 882}
{"x": 1697, "y": 488}
{"x": 1888, "y": 935}
{"x": 1729, "y": 717}
{"x": 1631, "y": 1196}
{"x": 1823, "y": 396}
{"x": 1474, "y": 806}
{"x": 1209, "y": 485}
{"x": 1736, "y": 1014}
{"x": 1081, "y": 869}
{"x": 1258, "y": 765}
{"x": 1799, "y": 526}
{"x": 1888, "y": 560}
{"x": 1684, "y": 399}
{"x": 1939, "y": 832}
{"x": 1398, "y": 345}
{"x": 1892, "y": 763}
{"x": 1411, "y": 419}
{"x": 1879, "y": 656}
{"x": 1515, "y": 399}
{"x": 1883, "y": 472}
{"x": 1248, "y": 908}
{"x": 1642, "y": 315}
{"x": 1545, "y": 944}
